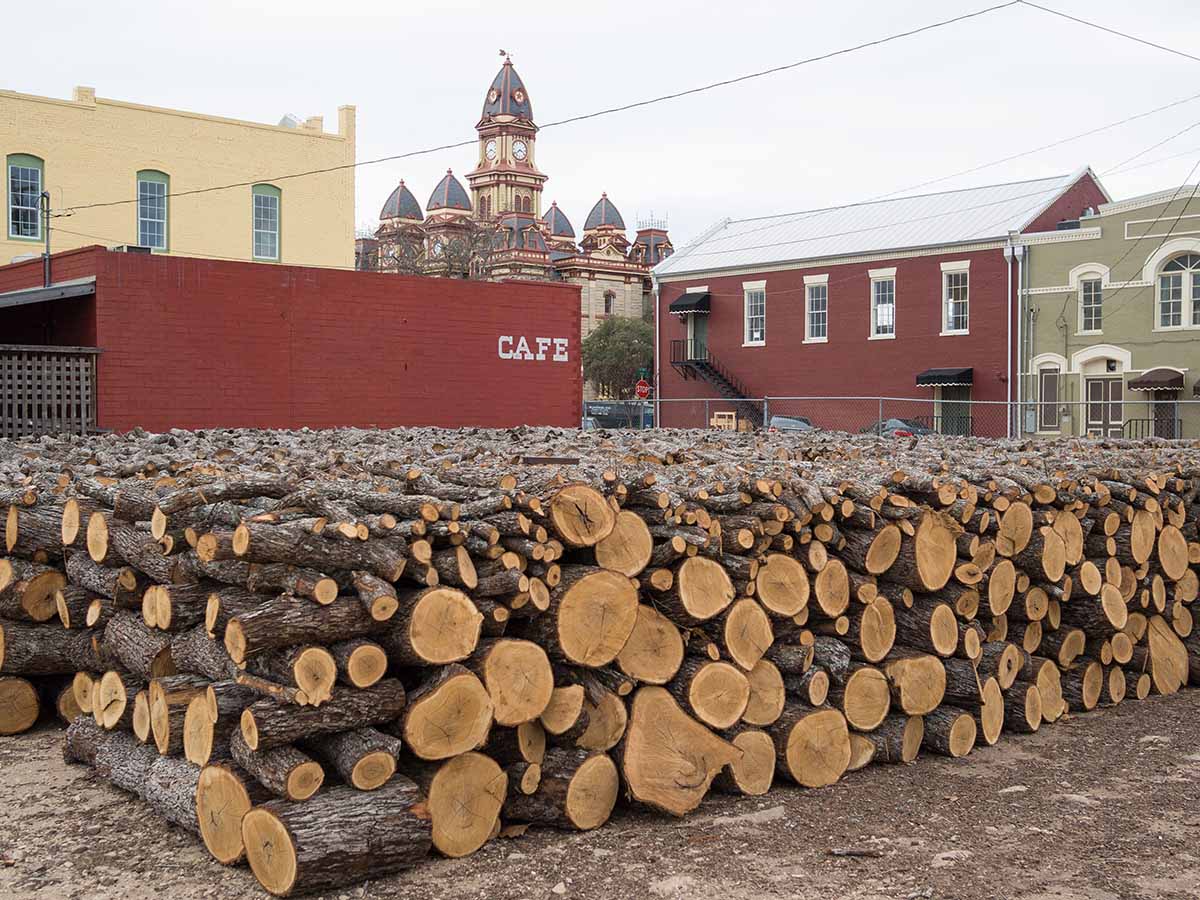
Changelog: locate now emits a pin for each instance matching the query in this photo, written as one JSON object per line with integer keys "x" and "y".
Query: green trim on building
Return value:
{"x": 32, "y": 162}
{"x": 267, "y": 190}
{"x": 154, "y": 175}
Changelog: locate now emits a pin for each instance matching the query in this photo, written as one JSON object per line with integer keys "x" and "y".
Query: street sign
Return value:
{"x": 642, "y": 389}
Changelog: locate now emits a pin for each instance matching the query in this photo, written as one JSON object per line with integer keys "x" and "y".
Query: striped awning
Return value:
{"x": 946, "y": 377}
{"x": 1160, "y": 379}
{"x": 697, "y": 302}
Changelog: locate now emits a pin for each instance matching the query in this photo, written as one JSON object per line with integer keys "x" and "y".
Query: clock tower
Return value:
{"x": 506, "y": 178}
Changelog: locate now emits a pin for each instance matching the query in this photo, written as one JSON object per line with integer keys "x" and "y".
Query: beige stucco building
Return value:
{"x": 1112, "y": 332}
{"x": 122, "y": 172}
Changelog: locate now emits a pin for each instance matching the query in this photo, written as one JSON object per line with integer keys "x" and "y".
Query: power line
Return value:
{"x": 1166, "y": 237}
{"x": 1113, "y": 31}
{"x": 808, "y": 213}
{"x": 597, "y": 113}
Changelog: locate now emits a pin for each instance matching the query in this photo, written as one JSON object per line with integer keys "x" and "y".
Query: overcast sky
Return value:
{"x": 832, "y": 132}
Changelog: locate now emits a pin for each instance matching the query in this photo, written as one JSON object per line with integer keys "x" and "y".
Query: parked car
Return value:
{"x": 790, "y": 423}
{"x": 897, "y": 428}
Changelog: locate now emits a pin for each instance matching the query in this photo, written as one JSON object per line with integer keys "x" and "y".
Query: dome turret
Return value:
{"x": 507, "y": 96}
{"x": 448, "y": 195}
{"x": 557, "y": 222}
{"x": 604, "y": 214}
{"x": 401, "y": 204}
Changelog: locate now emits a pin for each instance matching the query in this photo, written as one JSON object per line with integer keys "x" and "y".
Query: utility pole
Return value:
{"x": 45, "y": 204}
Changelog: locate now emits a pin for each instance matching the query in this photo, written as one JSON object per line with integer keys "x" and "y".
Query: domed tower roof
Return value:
{"x": 449, "y": 194}
{"x": 507, "y": 96}
{"x": 519, "y": 231}
{"x": 604, "y": 214}
{"x": 401, "y": 204}
{"x": 557, "y": 222}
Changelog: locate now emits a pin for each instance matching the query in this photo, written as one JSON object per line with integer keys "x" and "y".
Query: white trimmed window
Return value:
{"x": 266, "y": 221}
{"x": 754, "y": 294}
{"x": 1091, "y": 305}
{"x": 24, "y": 197}
{"x": 152, "y": 209}
{"x": 1179, "y": 292}
{"x": 883, "y": 304}
{"x": 956, "y": 301}
{"x": 816, "y": 312}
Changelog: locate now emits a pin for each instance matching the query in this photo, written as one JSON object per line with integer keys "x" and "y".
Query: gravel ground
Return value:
{"x": 1098, "y": 807}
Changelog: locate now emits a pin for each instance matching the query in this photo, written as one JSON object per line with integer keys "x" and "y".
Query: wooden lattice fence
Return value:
{"x": 47, "y": 390}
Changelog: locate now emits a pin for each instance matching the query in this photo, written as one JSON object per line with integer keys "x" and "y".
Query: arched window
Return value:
{"x": 485, "y": 206}
{"x": 1179, "y": 292}
{"x": 152, "y": 190}
{"x": 267, "y": 200}
{"x": 610, "y": 303}
{"x": 24, "y": 196}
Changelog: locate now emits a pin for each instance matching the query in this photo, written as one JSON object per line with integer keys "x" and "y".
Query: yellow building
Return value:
{"x": 123, "y": 173}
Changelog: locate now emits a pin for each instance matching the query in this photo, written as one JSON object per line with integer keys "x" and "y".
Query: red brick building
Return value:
{"x": 906, "y": 298}
{"x": 198, "y": 343}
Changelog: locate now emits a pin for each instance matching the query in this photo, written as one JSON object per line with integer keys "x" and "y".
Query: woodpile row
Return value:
{"x": 328, "y": 653}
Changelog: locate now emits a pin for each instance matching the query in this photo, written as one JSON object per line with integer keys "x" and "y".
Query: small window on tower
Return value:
{"x": 610, "y": 303}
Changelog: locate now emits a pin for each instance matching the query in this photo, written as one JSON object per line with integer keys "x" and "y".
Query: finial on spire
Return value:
{"x": 507, "y": 57}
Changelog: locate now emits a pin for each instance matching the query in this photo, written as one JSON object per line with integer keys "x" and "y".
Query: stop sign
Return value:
{"x": 642, "y": 389}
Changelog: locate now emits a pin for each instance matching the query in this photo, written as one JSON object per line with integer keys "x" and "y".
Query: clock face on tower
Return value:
{"x": 519, "y": 149}
{"x": 490, "y": 150}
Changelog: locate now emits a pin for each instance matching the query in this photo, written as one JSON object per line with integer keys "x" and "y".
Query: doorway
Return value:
{"x": 954, "y": 413}
{"x": 697, "y": 337}
{"x": 1166, "y": 414}
{"x": 1105, "y": 416}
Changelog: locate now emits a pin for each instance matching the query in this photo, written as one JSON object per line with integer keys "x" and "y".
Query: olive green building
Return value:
{"x": 1109, "y": 340}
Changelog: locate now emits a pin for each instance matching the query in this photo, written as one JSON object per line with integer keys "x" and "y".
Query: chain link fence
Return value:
{"x": 1136, "y": 417}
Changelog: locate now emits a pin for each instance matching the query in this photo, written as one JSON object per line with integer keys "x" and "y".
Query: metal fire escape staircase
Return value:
{"x": 693, "y": 359}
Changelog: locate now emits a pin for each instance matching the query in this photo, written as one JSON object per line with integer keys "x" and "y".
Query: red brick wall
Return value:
{"x": 69, "y": 322}
{"x": 849, "y": 365}
{"x": 191, "y": 343}
{"x": 1082, "y": 194}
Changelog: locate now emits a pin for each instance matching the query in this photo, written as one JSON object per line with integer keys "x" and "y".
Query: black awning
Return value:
{"x": 691, "y": 303}
{"x": 1157, "y": 380}
{"x": 64, "y": 291}
{"x": 945, "y": 377}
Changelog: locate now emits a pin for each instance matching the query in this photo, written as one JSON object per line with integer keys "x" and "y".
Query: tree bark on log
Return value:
{"x": 337, "y": 838}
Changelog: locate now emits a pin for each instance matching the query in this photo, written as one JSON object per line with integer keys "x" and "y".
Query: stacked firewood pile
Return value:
{"x": 326, "y": 653}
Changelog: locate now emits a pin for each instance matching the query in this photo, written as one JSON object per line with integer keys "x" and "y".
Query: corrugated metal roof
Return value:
{"x": 950, "y": 217}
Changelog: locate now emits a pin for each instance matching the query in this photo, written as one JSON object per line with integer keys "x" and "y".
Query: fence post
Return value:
{"x": 766, "y": 419}
{"x": 880, "y": 419}
{"x": 707, "y": 417}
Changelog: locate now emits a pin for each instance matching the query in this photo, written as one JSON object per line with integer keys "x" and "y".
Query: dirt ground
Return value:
{"x": 1098, "y": 807}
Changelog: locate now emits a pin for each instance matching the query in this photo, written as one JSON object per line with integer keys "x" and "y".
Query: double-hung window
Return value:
{"x": 816, "y": 311}
{"x": 956, "y": 302}
{"x": 1091, "y": 305}
{"x": 266, "y": 221}
{"x": 883, "y": 303}
{"x": 152, "y": 190}
{"x": 754, "y": 295}
{"x": 24, "y": 197}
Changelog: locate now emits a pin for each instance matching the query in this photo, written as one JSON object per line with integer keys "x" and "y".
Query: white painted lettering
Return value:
{"x": 560, "y": 349}
{"x": 542, "y": 343}
{"x": 523, "y": 351}
{"x": 505, "y": 354}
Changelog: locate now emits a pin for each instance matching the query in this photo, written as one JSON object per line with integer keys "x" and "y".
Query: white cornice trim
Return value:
{"x": 1132, "y": 203}
{"x": 1058, "y": 237}
{"x": 1070, "y": 289}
